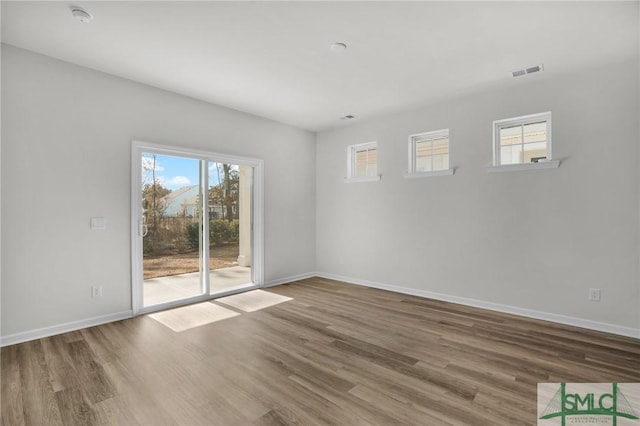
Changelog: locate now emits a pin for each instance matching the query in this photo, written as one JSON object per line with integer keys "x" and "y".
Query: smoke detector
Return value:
{"x": 528, "y": 70}
{"x": 80, "y": 14}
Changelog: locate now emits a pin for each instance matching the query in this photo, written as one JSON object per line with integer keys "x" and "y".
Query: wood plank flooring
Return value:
{"x": 335, "y": 354}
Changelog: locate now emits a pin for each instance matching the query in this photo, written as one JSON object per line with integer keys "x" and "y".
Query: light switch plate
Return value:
{"x": 98, "y": 223}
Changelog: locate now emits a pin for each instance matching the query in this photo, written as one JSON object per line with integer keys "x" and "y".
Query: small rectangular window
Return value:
{"x": 522, "y": 140}
{"x": 362, "y": 161}
{"x": 429, "y": 152}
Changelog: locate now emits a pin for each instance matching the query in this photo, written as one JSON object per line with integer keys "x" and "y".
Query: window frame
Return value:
{"x": 523, "y": 120}
{"x": 431, "y": 135}
{"x": 352, "y": 150}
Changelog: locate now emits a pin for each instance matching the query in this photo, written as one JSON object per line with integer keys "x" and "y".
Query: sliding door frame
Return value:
{"x": 257, "y": 215}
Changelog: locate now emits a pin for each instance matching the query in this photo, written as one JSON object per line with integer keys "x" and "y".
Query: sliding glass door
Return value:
{"x": 193, "y": 230}
{"x": 230, "y": 225}
{"x": 172, "y": 218}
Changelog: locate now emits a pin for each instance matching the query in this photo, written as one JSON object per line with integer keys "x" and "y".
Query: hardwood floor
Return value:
{"x": 335, "y": 354}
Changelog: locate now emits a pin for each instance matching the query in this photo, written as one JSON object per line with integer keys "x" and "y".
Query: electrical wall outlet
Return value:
{"x": 96, "y": 291}
{"x": 594, "y": 294}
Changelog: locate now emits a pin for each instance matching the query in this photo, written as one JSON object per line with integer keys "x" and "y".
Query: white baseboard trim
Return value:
{"x": 524, "y": 312}
{"x": 26, "y": 336}
{"x": 39, "y": 333}
{"x": 292, "y": 278}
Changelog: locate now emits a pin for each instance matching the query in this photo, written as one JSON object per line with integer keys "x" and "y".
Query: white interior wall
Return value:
{"x": 638, "y": 65}
{"x": 533, "y": 240}
{"x": 66, "y": 158}
{"x": 66, "y": 155}
{"x": 1, "y": 133}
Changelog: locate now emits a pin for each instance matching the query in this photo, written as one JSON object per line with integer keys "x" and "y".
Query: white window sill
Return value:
{"x": 417, "y": 175}
{"x": 363, "y": 179}
{"x": 551, "y": 164}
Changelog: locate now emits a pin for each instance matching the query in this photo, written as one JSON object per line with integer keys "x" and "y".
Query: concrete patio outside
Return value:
{"x": 175, "y": 287}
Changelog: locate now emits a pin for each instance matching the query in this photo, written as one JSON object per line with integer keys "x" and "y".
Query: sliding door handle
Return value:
{"x": 143, "y": 229}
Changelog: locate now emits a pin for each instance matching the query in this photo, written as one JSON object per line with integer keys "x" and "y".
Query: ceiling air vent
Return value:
{"x": 529, "y": 70}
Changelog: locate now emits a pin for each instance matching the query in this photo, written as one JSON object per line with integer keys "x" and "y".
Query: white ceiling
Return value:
{"x": 273, "y": 59}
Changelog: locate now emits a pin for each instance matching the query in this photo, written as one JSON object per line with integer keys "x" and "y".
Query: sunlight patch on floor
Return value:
{"x": 187, "y": 317}
{"x": 253, "y": 300}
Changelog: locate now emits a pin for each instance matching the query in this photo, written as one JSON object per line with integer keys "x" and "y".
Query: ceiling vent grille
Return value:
{"x": 529, "y": 70}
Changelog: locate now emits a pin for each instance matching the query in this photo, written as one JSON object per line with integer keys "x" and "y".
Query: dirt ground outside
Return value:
{"x": 220, "y": 256}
